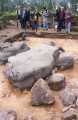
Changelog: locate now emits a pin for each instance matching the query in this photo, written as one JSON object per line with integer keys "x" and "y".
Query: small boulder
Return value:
{"x": 68, "y": 97}
{"x": 70, "y": 115}
{"x": 65, "y": 61}
{"x": 8, "y": 115}
{"x": 57, "y": 81}
{"x": 41, "y": 94}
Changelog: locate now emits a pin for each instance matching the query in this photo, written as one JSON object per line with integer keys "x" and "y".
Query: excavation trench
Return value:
{"x": 11, "y": 98}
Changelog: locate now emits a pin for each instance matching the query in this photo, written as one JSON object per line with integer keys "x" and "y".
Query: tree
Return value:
{"x": 2, "y": 3}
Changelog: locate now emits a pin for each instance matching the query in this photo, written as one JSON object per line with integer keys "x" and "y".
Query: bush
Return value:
{"x": 75, "y": 20}
{"x": 5, "y": 18}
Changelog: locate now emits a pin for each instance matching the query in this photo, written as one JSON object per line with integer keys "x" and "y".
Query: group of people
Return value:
{"x": 36, "y": 23}
{"x": 63, "y": 19}
{"x": 31, "y": 19}
{"x": 25, "y": 18}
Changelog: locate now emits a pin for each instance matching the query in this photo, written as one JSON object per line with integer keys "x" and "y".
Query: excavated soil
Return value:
{"x": 20, "y": 101}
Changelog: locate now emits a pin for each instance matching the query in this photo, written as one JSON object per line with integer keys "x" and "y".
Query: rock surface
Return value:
{"x": 77, "y": 102}
{"x": 57, "y": 81}
{"x": 23, "y": 69}
{"x": 65, "y": 61}
{"x": 41, "y": 94}
{"x": 70, "y": 115}
{"x": 8, "y": 115}
{"x": 68, "y": 97}
{"x": 27, "y": 116}
{"x": 11, "y": 49}
{"x": 51, "y": 43}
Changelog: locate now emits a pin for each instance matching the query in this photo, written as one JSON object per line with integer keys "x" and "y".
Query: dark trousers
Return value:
{"x": 61, "y": 25}
{"x": 35, "y": 25}
{"x": 23, "y": 23}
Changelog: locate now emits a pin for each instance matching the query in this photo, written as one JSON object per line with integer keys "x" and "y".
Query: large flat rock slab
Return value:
{"x": 10, "y": 49}
{"x": 25, "y": 68}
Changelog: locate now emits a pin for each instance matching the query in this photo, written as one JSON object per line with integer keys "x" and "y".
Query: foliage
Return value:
{"x": 10, "y": 5}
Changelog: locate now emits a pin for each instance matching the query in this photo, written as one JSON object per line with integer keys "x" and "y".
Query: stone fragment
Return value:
{"x": 65, "y": 61}
{"x": 70, "y": 115}
{"x": 41, "y": 94}
{"x": 57, "y": 81}
{"x": 68, "y": 97}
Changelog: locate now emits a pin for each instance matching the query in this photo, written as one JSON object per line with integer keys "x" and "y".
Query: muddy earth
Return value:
{"x": 20, "y": 101}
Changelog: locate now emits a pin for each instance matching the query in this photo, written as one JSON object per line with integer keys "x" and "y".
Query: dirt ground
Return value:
{"x": 14, "y": 99}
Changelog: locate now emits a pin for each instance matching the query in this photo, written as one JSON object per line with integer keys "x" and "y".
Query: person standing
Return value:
{"x": 57, "y": 19}
{"x": 45, "y": 19}
{"x": 61, "y": 19}
{"x": 23, "y": 18}
{"x": 35, "y": 22}
{"x": 18, "y": 11}
{"x": 68, "y": 20}
{"x": 28, "y": 17}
